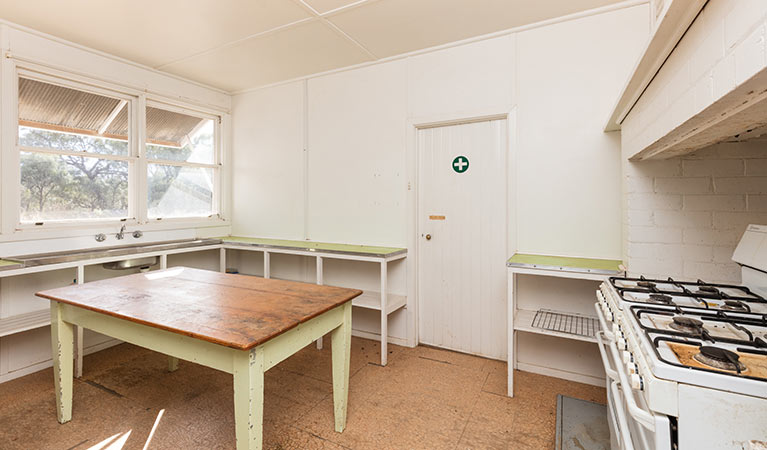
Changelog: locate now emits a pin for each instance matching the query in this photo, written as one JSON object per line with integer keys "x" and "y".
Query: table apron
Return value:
{"x": 288, "y": 343}
{"x": 169, "y": 343}
{"x": 192, "y": 349}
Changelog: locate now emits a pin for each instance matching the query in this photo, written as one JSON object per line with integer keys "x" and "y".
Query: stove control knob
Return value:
{"x": 632, "y": 368}
{"x": 628, "y": 358}
{"x": 623, "y": 345}
{"x": 636, "y": 382}
{"x": 616, "y": 329}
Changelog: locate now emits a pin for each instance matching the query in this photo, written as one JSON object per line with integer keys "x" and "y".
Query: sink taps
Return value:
{"x": 121, "y": 234}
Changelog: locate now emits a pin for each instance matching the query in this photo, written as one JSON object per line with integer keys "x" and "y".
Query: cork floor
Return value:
{"x": 425, "y": 398}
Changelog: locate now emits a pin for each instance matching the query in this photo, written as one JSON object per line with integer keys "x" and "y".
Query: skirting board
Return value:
{"x": 377, "y": 337}
{"x": 450, "y": 349}
{"x": 46, "y": 364}
{"x": 565, "y": 375}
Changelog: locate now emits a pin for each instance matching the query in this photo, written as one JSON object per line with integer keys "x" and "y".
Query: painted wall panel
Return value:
{"x": 268, "y": 165}
{"x": 569, "y": 75}
{"x": 357, "y": 182}
{"x": 468, "y": 78}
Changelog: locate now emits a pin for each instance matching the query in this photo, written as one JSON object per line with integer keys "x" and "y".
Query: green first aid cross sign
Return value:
{"x": 461, "y": 164}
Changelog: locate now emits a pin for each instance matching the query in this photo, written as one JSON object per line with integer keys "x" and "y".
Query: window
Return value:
{"x": 181, "y": 163}
{"x": 79, "y": 162}
{"x": 74, "y": 154}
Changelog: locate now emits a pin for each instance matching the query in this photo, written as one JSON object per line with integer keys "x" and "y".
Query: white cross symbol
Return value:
{"x": 460, "y": 164}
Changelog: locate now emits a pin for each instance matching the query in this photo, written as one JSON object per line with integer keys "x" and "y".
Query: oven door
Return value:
{"x": 620, "y": 437}
{"x": 641, "y": 436}
{"x": 632, "y": 424}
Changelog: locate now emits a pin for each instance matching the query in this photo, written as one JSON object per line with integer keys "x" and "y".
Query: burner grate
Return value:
{"x": 566, "y": 322}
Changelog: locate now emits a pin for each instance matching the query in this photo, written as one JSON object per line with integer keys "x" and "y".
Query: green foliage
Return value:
{"x": 41, "y": 180}
{"x": 72, "y": 187}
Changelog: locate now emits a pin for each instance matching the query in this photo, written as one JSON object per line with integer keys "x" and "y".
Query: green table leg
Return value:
{"x": 172, "y": 364}
{"x": 62, "y": 342}
{"x": 249, "y": 398}
{"x": 341, "y": 343}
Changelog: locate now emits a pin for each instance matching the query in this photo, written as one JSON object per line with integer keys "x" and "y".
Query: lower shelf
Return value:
{"x": 523, "y": 321}
{"x": 25, "y": 322}
{"x": 372, "y": 300}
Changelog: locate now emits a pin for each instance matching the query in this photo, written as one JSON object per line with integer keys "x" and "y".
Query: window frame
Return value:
{"x": 131, "y": 158}
{"x": 216, "y": 166}
{"x": 137, "y": 100}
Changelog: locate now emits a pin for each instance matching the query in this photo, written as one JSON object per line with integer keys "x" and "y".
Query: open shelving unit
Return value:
{"x": 381, "y": 300}
{"x": 542, "y": 321}
{"x": 18, "y": 323}
{"x": 372, "y": 300}
{"x": 24, "y": 322}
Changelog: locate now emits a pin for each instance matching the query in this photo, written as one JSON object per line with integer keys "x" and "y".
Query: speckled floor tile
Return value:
{"x": 425, "y": 398}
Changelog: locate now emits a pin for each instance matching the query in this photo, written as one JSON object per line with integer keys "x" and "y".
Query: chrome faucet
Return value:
{"x": 121, "y": 234}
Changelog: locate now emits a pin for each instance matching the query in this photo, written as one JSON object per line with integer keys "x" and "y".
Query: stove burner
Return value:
{"x": 735, "y": 305}
{"x": 661, "y": 298}
{"x": 719, "y": 358}
{"x": 709, "y": 289}
{"x": 646, "y": 284}
{"x": 687, "y": 325}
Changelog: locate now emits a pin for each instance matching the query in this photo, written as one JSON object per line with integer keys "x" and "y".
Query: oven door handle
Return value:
{"x": 643, "y": 417}
{"x": 623, "y": 426}
{"x": 608, "y": 334}
{"x": 605, "y": 360}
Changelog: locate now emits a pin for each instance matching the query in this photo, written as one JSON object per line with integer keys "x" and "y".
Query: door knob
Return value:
{"x": 428, "y": 237}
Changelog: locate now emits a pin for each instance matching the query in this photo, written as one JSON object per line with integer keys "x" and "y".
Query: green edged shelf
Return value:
{"x": 327, "y": 247}
{"x": 566, "y": 264}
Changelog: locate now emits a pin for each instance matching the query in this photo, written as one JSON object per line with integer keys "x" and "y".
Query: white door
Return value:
{"x": 462, "y": 237}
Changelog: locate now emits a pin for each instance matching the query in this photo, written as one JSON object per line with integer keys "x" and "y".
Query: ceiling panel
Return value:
{"x": 149, "y": 31}
{"x": 391, "y": 27}
{"x": 304, "y": 49}
{"x": 323, "y": 6}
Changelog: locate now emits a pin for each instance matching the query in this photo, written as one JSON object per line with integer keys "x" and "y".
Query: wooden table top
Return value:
{"x": 237, "y": 311}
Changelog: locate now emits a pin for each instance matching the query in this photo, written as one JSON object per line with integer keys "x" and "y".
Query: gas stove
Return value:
{"x": 681, "y": 353}
{"x": 711, "y": 347}
{"x": 697, "y": 294}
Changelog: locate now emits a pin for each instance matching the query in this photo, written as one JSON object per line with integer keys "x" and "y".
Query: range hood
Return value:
{"x": 701, "y": 112}
{"x": 739, "y": 115}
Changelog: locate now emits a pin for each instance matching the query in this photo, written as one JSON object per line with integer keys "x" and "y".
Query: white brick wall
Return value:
{"x": 684, "y": 216}
{"x": 723, "y": 47}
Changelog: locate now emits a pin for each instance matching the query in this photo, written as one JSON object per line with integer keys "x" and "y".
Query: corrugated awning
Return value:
{"x": 169, "y": 128}
{"x": 51, "y": 107}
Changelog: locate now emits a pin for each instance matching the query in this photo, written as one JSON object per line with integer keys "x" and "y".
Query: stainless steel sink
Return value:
{"x": 132, "y": 263}
{"x": 40, "y": 259}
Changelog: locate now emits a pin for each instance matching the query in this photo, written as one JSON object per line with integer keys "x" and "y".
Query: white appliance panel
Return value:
{"x": 717, "y": 420}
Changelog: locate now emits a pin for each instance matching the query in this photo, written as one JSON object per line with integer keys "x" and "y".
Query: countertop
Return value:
{"x": 117, "y": 252}
{"x": 326, "y": 247}
{"x": 127, "y": 251}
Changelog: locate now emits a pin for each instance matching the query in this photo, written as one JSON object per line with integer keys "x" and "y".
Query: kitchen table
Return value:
{"x": 238, "y": 324}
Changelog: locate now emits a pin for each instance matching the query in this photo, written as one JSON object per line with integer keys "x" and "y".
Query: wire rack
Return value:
{"x": 566, "y": 323}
